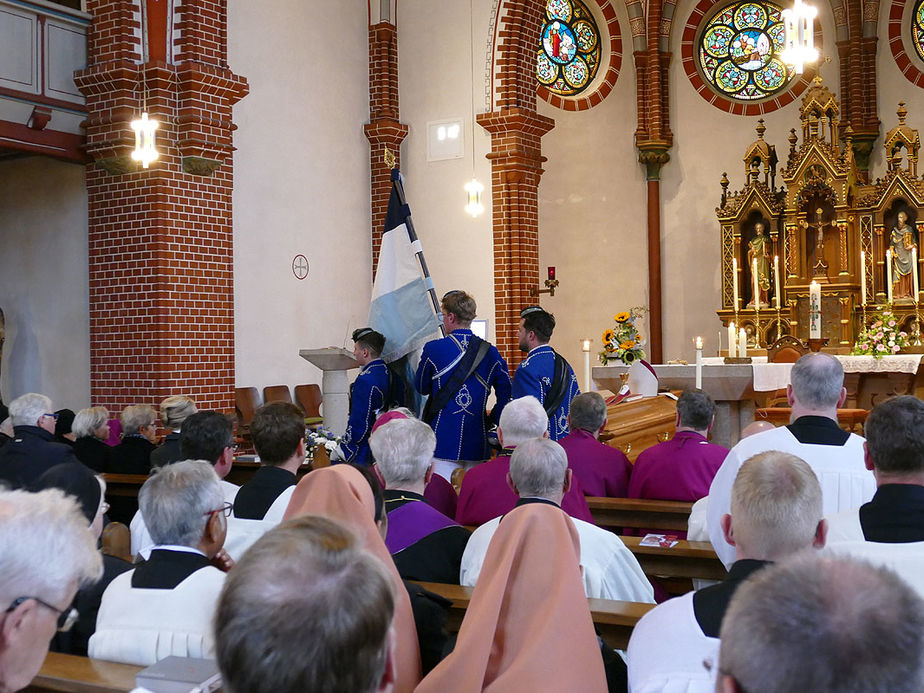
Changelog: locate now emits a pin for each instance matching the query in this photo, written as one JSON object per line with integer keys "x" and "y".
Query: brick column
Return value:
{"x": 383, "y": 129}
{"x": 516, "y": 166}
{"x": 161, "y": 262}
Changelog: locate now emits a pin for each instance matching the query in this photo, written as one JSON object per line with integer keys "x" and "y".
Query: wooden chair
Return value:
{"x": 309, "y": 398}
{"x": 786, "y": 349}
{"x": 246, "y": 403}
{"x": 117, "y": 541}
{"x": 456, "y": 478}
{"x": 277, "y": 393}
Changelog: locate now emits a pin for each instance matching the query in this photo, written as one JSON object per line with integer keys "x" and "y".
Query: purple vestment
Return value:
{"x": 486, "y": 495}
{"x": 441, "y": 495}
{"x": 602, "y": 470}
{"x": 679, "y": 469}
{"x": 411, "y": 522}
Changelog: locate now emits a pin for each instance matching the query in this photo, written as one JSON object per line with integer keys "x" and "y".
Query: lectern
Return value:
{"x": 334, "y": 362}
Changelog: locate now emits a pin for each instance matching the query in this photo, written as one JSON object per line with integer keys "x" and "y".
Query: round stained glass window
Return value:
{"x": 739, "y": 51}
{"x": 917, "y": 29}
{"x": 569, "y": 53}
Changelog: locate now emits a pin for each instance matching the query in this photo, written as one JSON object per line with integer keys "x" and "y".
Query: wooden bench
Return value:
{"x": 639, "y": 513}
{"x": 613, "y": 619}
{"x": 676, "y": 567}
{"x": 62, "y": 672}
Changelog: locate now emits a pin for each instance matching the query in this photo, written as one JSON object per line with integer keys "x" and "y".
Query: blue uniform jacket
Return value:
{"x": 534, "y": 377}
{"x": 367, "y": 401}
{"x": 461, "y": 427}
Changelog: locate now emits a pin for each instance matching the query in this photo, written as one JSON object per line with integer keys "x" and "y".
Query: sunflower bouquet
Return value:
{"x": 623, "y": 342}
{"x": 882, "y": 338}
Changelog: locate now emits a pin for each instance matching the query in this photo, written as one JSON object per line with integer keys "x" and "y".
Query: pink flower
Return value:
{"x": 864, "y": 347}
{"x": 880, "y": 347}
{"x": 891, "y": 323}
{"x": 896, "y": 349}
{"x": 879, "y": 335}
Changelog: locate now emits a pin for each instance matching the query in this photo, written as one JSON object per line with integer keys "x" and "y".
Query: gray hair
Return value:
{"x": 88, "y": 420}
{"x": 538, "y": 468}
{"x": 696, "y": 409}
{"x": 775, "y": 505}
{"x": 522, "y": 419}
{"x": 174, "y": 410}
{"x": 6, "y": 427}
{"x": 824, "y": 625}
{"x": 817, "y": 380}
{"x": 588, "y": 411}
{"x": 309, "y": 570}
{"x": 403, "y": 450}
{"x": 895, "y": 435}
{"x": 27, "y": 409}
{"x": 136, "y": 417}
{"x": 176, "y": 500}
{"x": 45, "y": 547}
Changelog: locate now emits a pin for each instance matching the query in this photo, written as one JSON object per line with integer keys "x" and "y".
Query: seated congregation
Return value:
{"x": 300, "y": 581}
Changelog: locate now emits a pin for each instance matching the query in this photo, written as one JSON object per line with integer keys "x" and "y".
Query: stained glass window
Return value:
{"x": 569, "y": 53}
{"x": 740, "y": 48}
{"x": 917, "y": 28}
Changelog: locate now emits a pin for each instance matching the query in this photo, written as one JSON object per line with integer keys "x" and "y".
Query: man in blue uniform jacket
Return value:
{"x": 458, "y": 372}
{"x": 375, "y": 389}
{"x": 544, "y": 374}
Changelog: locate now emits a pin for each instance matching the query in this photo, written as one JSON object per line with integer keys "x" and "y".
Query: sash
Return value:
{"x": 412, "y": 522}
{"x": 474, "y": 355}
{"x": 556, "y": 394}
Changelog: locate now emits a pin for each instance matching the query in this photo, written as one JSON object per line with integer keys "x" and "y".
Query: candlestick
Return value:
{"x": 735, "y": 283}
{"x": 585, "y": 346}
{"x": 814, "y": 310}
{"x": 755, "y": 282}
{"x": 699, "y": 363}
{"x": 742, "y": 343}
{"x": 889, "y": 275}
{"x": 862, "y": 277}
{"x": 551, "y": 273}
{"x": 732, "y": 340}
{"x": 776, "y": 277}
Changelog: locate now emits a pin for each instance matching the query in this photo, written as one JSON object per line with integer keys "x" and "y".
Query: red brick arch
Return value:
{"x": 907, "y": 61}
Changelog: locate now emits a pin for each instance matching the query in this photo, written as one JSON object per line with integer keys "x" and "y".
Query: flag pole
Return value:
{"x": 412, "y": 232}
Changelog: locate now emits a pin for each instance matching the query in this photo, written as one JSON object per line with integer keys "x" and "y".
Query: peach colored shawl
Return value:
{"x": 528, "y": 627}
{"x": 340, "y": 493}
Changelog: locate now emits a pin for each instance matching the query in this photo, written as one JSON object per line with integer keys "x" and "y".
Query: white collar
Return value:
{"x": 176, "y": 547}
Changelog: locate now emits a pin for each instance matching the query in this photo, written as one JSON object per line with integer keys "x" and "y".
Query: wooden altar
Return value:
{"x": 815, "y": 226}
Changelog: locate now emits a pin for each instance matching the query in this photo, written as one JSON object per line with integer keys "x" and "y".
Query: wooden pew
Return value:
{"x": 688, "y": 559}
{"x": 613, "y": 619}
{"x": 62, "y": 672}
{"x": 639, "y": 513}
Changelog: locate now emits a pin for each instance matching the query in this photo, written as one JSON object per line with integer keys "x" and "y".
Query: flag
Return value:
{"x": 402, "y": 308}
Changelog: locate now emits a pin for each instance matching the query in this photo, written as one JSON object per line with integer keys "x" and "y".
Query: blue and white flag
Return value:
{"x": 402, "y": 309}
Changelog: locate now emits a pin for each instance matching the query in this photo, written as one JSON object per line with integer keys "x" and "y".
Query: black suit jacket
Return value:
{"x": 31, "y": 453}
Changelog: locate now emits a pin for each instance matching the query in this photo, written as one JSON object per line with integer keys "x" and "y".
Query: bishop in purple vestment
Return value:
{"x": 600, "y": 469}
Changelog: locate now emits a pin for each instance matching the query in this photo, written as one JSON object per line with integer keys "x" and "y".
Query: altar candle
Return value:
{"x": 735, "y": 285}
{"x": 742, "y": 343}
{"x": 754, "y": 277}
{"x": 776, "y": 278}
{"x": 814, "y": 310}
{"x": 586, "y": 349}
{"x": 862, "y": 277}
{"x": 889, "y": 274}
{"x": 732, "y": 340}
{"x": 914, "y": 272}
{"x": 699, "y": 363}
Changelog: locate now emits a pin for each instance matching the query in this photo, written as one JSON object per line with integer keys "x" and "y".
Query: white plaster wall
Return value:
{"x": 44, "y": 284}
{"x": 708, "y": 141}
{"x": 436, "y": 83}
{"x": 593, "y": 215}
{"x": 301, "y": 183}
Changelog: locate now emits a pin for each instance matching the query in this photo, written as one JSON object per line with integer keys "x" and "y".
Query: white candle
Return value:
{"x": 862, "y": 277}
{"x": 699, "y": 363}
{"x": 732, "y": 340}
{"x": 776, "y": 278}
{"x": 814, "y": 310}
{"x": 586, "y": 348}
{"x": 889, "y": 274}
{"x": 756, "y": 284}
{"x": 735, "y": 283}
{"x": 742, "y": 343}
{"x": 914, "y": 272}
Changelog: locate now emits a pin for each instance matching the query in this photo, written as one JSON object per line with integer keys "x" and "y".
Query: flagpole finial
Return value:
{"x": 390, "y": 160}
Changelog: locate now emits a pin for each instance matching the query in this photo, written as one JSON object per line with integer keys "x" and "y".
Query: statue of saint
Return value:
{"x": 759, "y": 249}
{"x": 901, "y": 242}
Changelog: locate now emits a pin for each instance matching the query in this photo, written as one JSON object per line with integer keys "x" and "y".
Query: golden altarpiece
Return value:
{"x": 819, "y": 224}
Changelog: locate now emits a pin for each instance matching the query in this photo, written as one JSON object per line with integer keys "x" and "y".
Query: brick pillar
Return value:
{"x": 161, "y": 262}
{"x": 516, "y": 166}
{"x": 383, "y": 129}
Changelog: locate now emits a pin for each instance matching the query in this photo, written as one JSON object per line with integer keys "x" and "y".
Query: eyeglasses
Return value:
{"x": 54, "y": 416}
{"x": 225, "y": 510}
{"x": 66, "y": 617}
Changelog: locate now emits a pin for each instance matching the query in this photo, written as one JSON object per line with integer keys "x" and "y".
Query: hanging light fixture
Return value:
{"x": 800, "y": 36}
{"x": 144, "y": 128}
{"x": 473, "y": 188}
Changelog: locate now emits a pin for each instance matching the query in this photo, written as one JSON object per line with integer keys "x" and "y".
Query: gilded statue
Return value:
{"x": 759, "y": 250}
{"x": 902, "y": 242}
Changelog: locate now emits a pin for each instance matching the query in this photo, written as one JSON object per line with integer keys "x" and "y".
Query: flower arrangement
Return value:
{"x": 623, "y": 342}
{"x": 320, "y": 436}
{"x": 881, "y": 338}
